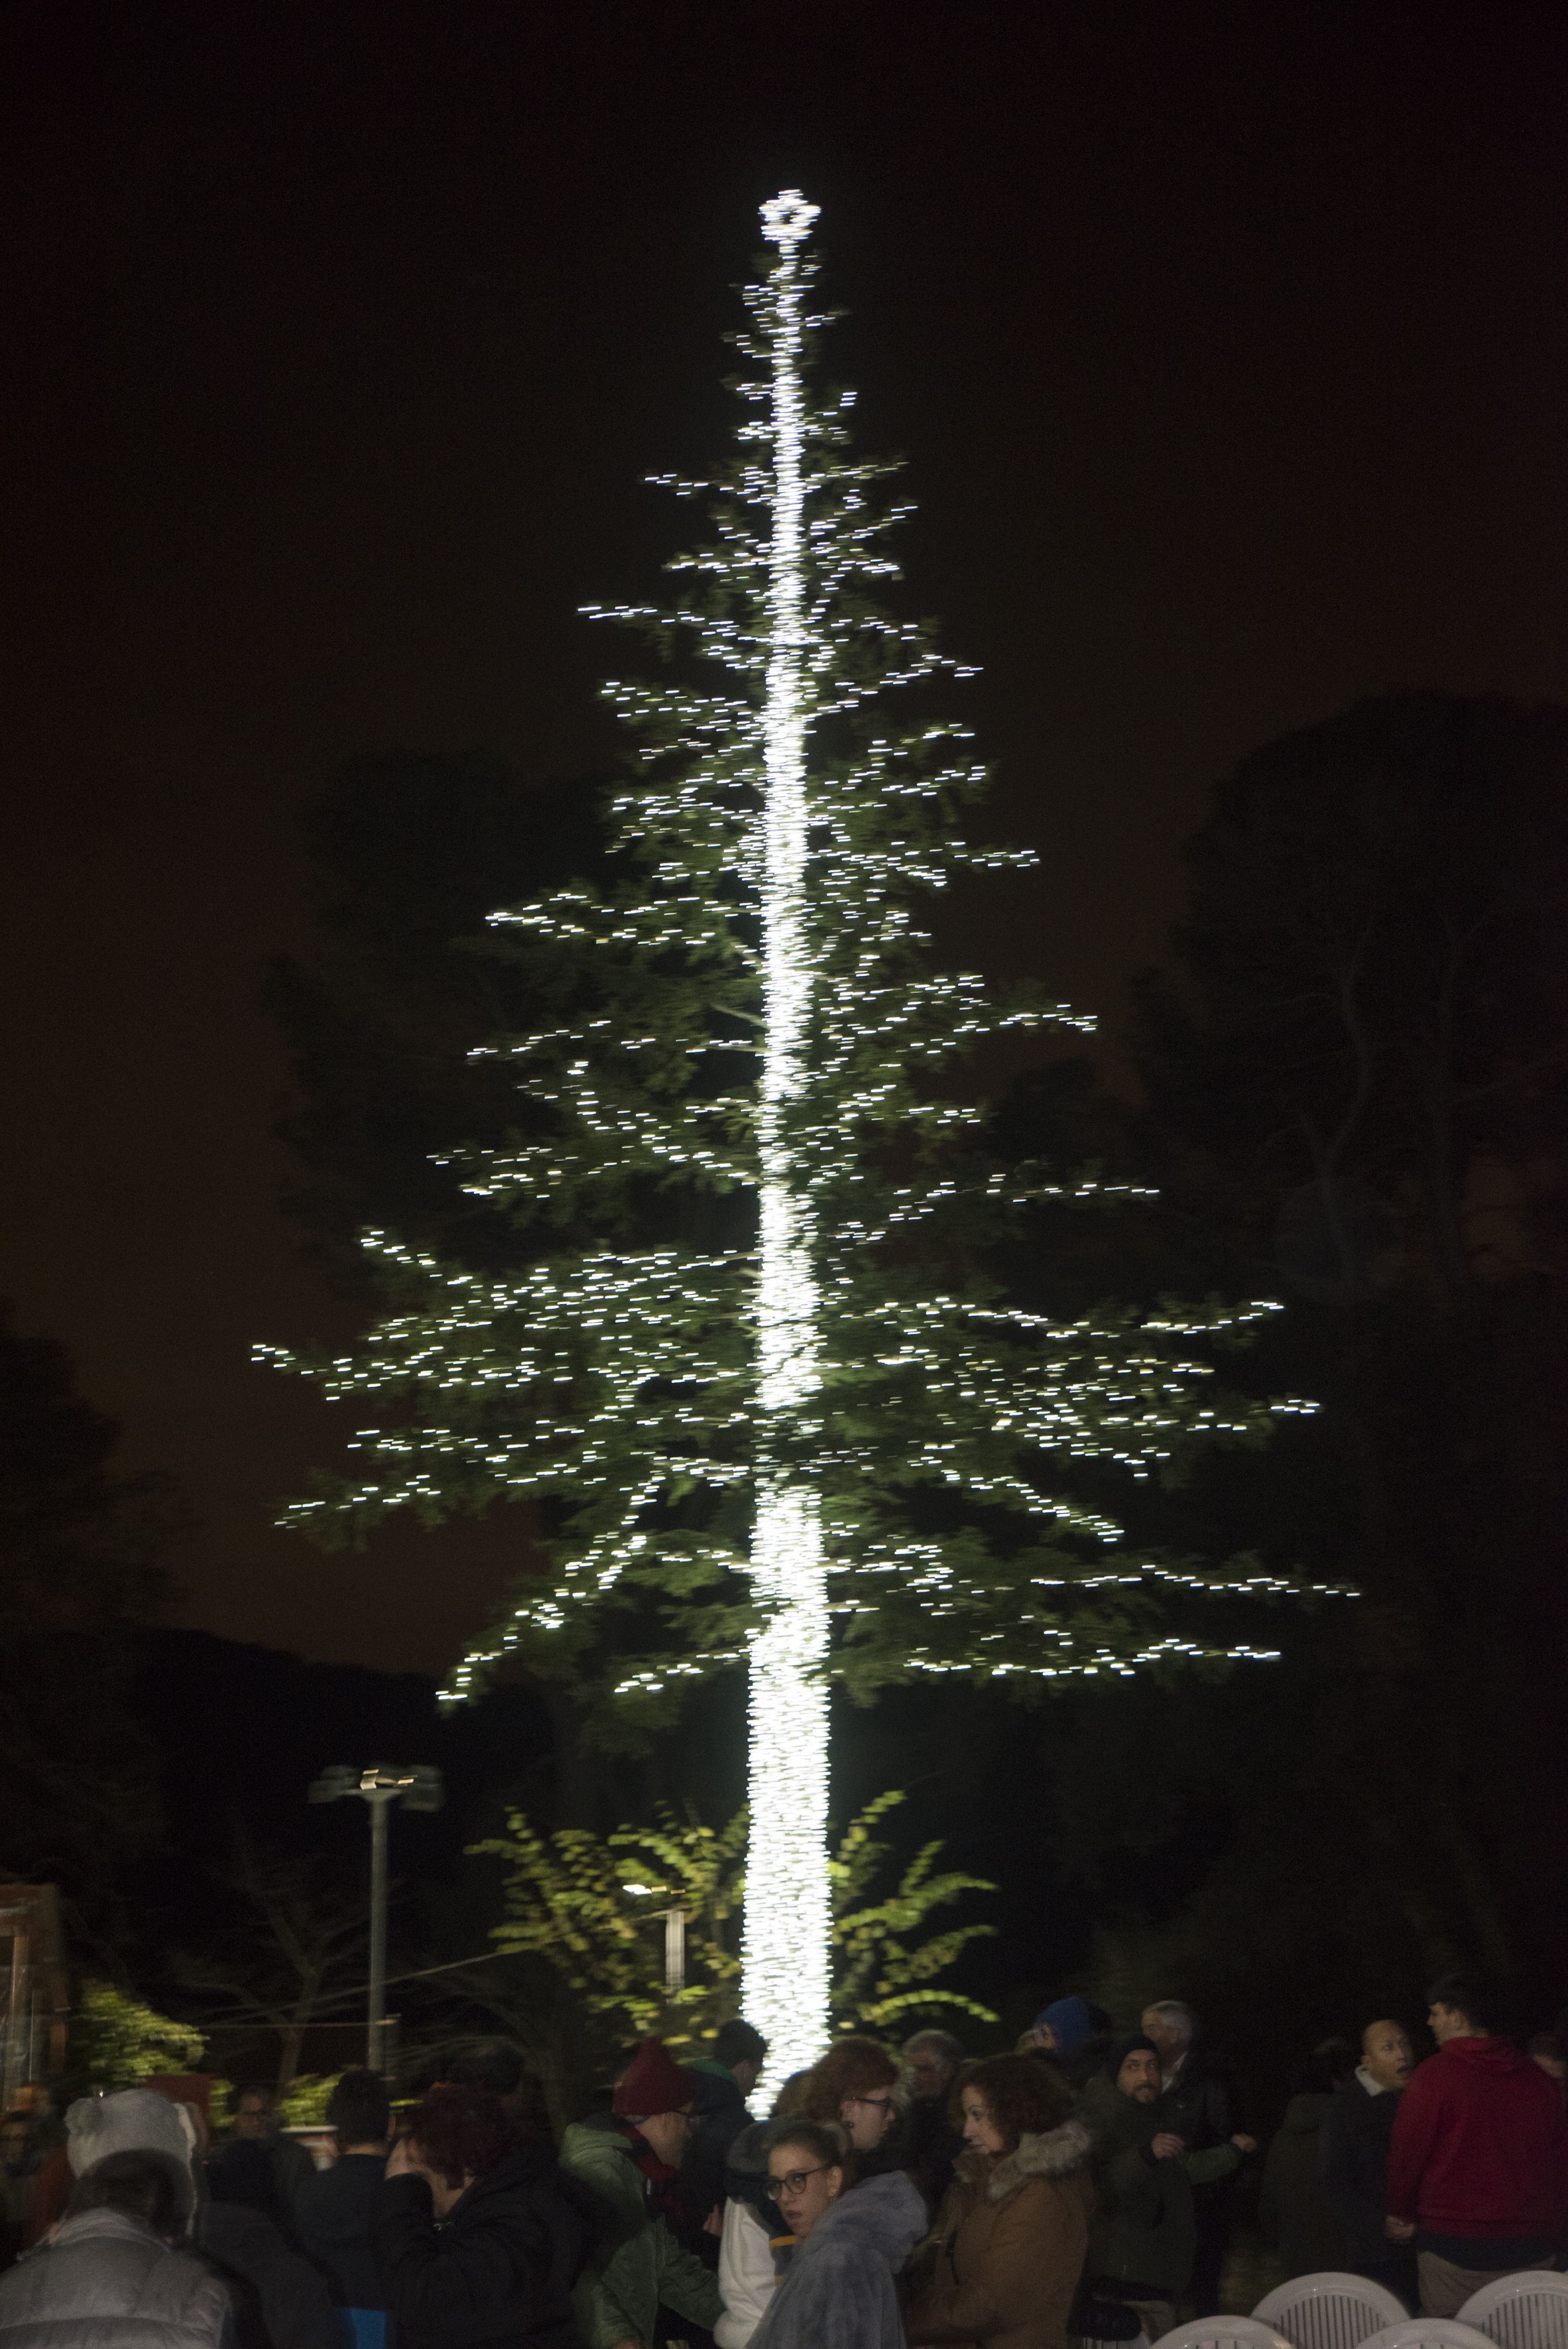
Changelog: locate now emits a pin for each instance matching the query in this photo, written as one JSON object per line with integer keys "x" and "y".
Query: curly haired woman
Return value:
{"x": 1009, "y": 2243}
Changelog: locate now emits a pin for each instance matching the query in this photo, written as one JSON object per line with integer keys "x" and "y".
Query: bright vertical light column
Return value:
{"x": 785, "y": 1947}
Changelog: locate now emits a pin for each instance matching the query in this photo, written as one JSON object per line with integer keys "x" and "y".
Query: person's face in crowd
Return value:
{"x": 13, "y": 2143}
{"x": 1446, "y": 2022}
{"x": 1165, "y": 2035}
{"x": 868, "y": 2118}
{"x": 1386, "y": 2053}
{"x": 253, "y": 2117}
{"x": 980, "y": 2127}
{"x": 1140, "y": 2075}
{"x": 668, "y": 2133}
{"x": 930, "y": 2073}
{"x": 802, "y": 2188}
{"x": 748, "y": 2072}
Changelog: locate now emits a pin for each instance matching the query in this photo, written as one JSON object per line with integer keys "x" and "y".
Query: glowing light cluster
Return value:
{"x": 746, "y": 1442}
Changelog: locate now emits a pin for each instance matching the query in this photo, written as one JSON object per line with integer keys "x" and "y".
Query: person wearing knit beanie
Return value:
{"x": 1133, "y": 2044}
{"x": 1067, "y": 2022}
{"x": 653, "y": 2084}
{"x": 630, "y": 2158}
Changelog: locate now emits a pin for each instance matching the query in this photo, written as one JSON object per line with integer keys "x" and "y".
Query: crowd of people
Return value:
{"x": 1081, "y": 2188}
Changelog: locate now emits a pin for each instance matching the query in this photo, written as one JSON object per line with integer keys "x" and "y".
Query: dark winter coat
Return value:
{"x": 1197, "y": 2106}
{"x": 497, "y": 2272}
{"x": 332, "y": 2218}
{"x": 933, "y": 2147}
{"x": 635, "y": 2264}
{"x": 1143, "y": 2232}
{"x": 282, "y": 2160}
{"x": 719, "y": 2117}
{"x": 107, "y": 2283}
{"x": 1012, "y": 2238}
{"x": 1352, "y": 2151}
{"x": 281, "y": 2301}
{"x": 838, "y": 2289}
{"x": 1295, "y": 2213}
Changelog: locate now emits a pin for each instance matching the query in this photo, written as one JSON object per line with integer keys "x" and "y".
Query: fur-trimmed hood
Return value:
{"x": 1047, "y": 2153}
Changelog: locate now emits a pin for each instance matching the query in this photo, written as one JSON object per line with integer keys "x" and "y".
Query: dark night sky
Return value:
{"x": 1227, "y": 343}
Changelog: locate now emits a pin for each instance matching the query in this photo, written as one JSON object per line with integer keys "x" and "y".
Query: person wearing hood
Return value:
{"x": 1013, "y": 2231}
{"x": 1074, "y": 2034}
{"x": 151, "y": 2143}
{"x": 112, "y": 2276}
{"x": 625, "y": 2157}
{"x": 1478, "y": 2159}
{"x": 1295, "y": 2216}
{"x": 849, "y": 2242}
{"x": 1142, "y": 2237}
{"x": 477, "y": 2241}
{"x": 1354, "y": 2157}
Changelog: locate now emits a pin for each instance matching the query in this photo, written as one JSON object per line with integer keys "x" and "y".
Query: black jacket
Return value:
{"x": 1197, "y": 2106}
{"x": 332, "y": 2218}
{"x": 934, "y": 2144}
{"x": 280, "y": 2301}
{"x": 1353, "y": 2148}
{"x": 718, "y": 2116}
{"x": 499, "y": 2269}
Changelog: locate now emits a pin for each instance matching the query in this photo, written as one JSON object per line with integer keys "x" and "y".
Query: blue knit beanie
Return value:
{"x": 1071, "y": 2023}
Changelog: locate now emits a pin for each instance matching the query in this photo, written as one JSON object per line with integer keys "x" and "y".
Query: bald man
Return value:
{"x": 1354, "y": 2143}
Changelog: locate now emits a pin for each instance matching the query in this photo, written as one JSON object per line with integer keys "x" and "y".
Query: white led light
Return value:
{"x": 789, "y": 1916}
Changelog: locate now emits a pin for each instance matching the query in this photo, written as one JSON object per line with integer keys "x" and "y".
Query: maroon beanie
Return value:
{"x": 653, "y": 2083}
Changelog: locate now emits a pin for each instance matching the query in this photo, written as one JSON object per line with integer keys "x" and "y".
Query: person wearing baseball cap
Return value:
{"x": 630, "y": 2159}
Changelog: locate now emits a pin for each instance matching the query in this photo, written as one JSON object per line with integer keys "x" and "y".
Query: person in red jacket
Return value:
{"x": 1478, "y": 2162}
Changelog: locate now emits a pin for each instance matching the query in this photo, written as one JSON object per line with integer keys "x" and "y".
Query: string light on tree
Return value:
{"x": 748, "y": 1359}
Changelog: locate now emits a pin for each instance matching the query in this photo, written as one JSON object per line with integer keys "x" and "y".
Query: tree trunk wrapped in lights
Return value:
{"x": 747, "y": 1360}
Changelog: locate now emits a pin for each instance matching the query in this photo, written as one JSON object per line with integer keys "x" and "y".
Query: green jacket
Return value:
{"x": 635, "y": 2262}
{"x": 1142, "y": 2232}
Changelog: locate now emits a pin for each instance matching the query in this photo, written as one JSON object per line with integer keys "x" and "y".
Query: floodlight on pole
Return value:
{"x": 675, "y": 1920}
{"x": 417, "y": 1788}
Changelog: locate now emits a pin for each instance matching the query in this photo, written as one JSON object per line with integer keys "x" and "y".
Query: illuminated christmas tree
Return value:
{"x": 748, "y": 1362}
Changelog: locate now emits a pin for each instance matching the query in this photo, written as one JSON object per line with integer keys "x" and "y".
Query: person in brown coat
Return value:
{"x": 1004, "y": 2262}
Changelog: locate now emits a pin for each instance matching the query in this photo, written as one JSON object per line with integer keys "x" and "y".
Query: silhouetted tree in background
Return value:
{"x": 82, "y": 1565}
{"x": 1353, "y": 1067}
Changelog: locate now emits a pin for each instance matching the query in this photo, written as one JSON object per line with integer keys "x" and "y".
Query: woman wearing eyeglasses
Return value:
{"x": 1013, "y": 2230}
{"x": 838, "y": 2289}
{"x": 852, "y": 2089}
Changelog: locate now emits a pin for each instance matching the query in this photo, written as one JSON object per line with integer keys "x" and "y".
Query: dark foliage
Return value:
{"x": 82, "y": 1555}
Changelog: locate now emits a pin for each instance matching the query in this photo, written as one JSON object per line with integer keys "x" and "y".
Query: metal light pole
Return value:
{"x": 674, "y": 1936}
{"x": 418, "y": 1788}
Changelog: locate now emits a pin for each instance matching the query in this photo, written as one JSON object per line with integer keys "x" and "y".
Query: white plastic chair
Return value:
{"x": 1224, "y": 2332}
{"x": 1527, "y": 2311}
{"x": 1428, "y": 2333}
{"x": 1329, "y": 2311}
